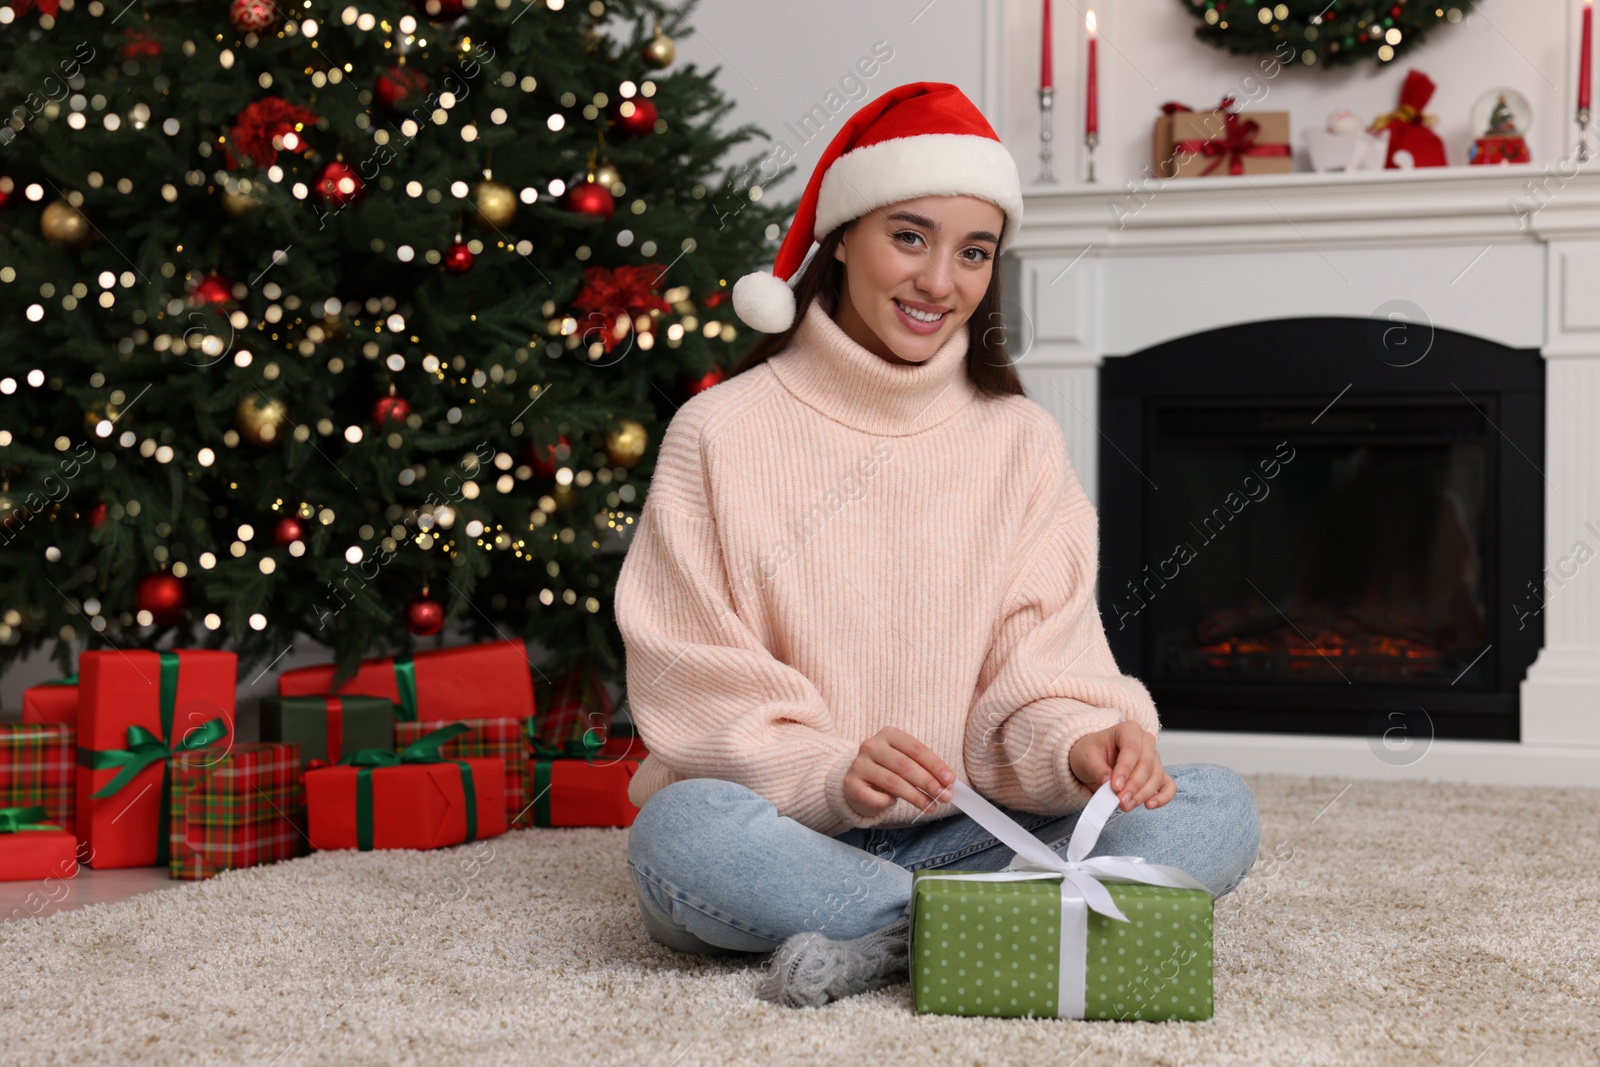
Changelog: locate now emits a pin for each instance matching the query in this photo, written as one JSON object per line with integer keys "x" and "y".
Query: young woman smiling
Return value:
{"x": 866, "y": 568}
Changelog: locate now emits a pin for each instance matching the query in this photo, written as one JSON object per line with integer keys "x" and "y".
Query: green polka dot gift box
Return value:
{"x": 1111, "y": 937}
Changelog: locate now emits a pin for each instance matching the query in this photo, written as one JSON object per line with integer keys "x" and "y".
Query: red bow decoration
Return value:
{"x": 259, "y": 123}
{"x": 1237, "y": 141}
{"x": 47, "y": 7}
{"x": 610, "y": 295}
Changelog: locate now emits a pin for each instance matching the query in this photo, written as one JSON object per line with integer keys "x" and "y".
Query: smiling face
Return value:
{"x": 909, "y": 262}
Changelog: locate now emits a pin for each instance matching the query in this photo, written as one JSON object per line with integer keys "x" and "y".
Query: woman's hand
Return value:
{"x": 891, "y": 764}
{"x": 1125, "y": 753}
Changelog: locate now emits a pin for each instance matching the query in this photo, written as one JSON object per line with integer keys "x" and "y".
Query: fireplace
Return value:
{"x": 1325, "y": 525}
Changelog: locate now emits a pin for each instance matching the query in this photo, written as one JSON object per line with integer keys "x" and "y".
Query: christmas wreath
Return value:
{"x": 1320, "y": 32}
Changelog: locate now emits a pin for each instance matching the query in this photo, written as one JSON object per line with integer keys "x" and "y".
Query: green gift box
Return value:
{"x": 1110, "y": 937}
{"x": 328, "y": 728}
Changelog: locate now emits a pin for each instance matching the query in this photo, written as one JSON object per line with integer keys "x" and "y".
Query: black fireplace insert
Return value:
{"x": 1313, "y": 525}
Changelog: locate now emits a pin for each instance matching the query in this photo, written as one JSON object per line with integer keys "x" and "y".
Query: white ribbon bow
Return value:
{"x": 1081, "y": 888}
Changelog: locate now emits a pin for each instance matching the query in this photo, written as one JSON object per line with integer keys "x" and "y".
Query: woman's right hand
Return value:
{"x": 893, "y": 764}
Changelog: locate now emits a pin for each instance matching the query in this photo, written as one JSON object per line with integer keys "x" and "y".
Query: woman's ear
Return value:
{"x": 838, "y": 250}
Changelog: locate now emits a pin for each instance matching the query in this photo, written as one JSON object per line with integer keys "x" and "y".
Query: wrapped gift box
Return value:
{"x": 31, "y": 847}
{"x": 1109, "y": 937}
{"x": 501, "y": 739}
{"x": 471, "y": 681}
{"x": 328, "y": 728}
{"x": 574, "y": 710}
{"x": 137, "y": 709}
{"x": 38, "y": 767}
{"x": 51, "y": 702}
{"x": 592, "y": 790}
{"x": 408, "y": 799}
{"x": 236, "y": 807}
{"x": 1193, "y": 144}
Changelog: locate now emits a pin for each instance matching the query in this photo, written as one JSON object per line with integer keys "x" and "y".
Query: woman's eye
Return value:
{"x": 909, "y": 233}
{"x": 983, "y": 255}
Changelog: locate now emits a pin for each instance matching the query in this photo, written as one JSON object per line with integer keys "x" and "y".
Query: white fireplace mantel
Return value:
{"x": 1511, "y": 254}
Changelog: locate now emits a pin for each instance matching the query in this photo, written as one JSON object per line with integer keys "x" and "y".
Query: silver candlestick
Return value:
{"x": 1046, "y": 134}
{"x": 1090, "y": 140}
{"x": 1583, "y": 135}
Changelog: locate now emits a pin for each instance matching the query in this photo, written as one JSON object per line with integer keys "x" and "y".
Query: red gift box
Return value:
{"x": 470, "y": 681}
{"x": 572, "y": 791}
{"x": 39, "y": 766}
{"x": 137, "y": 709}
{"x": 236, "y": 808}
{"x": 51, "y": 702}
{"x": 410, "y": 805}
{"x": 31, "y": 847}
{"x": 502, "y": 739}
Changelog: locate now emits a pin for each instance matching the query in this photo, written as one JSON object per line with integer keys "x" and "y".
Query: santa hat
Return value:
{"x": 920, "y": 139}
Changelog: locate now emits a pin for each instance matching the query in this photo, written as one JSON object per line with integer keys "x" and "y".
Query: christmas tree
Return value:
{"x": 340, "y": 322}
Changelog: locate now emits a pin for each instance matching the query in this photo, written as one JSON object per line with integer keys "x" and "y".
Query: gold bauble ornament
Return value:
{"x": 496, "y": 203}
{"x": 607, "y": 175}
{"x": 659, "y": 51}
{"x": 236, "y": 204}
{"x": 64, "y": 224}
{"x": 262, "y": 421}
{"x": 626, "y": 445}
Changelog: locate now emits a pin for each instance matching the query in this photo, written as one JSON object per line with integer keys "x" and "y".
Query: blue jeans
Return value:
{"x": 718, "y": 871}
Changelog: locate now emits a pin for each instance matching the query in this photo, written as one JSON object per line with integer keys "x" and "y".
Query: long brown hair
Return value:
{"x": 989, "y": 367}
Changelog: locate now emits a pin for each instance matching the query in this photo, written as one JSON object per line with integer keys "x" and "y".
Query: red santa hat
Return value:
{"x": 919, "y": 139}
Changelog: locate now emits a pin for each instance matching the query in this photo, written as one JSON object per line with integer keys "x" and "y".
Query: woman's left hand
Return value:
{"x": 1126, "y": 754}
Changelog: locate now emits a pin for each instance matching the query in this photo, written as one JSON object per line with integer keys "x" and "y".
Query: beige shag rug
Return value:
{"x": 1383, "y": 924}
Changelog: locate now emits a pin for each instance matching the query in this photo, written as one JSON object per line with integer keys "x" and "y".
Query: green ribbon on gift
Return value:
{"x": 424, "y": 749}
{"x": 71, "y": 679}
{"x": 583, "y": 748}
{"x": 405, "y": 680}
{"x": 145, "y": 748}
{"x": 15, "y": 820}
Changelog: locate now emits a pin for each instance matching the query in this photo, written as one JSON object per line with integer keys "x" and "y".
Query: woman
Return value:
{"x": 865, "y": 568}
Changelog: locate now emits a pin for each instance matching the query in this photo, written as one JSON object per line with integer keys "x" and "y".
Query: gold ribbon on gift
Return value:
{"x": 1081, "y": 878}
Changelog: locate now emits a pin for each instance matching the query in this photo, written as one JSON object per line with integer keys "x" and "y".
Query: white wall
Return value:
{"x": 780, "y": 59}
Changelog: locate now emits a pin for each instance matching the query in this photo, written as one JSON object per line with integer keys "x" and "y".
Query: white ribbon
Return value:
{"x": 1081, "y": 878}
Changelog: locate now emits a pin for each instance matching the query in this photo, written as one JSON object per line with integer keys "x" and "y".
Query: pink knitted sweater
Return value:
{"x": 832, "y": 544}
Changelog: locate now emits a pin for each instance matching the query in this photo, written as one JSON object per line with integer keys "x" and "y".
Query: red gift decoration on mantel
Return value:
{"x": 39, "y": 767}
{"x": 51, "y": 702}
{"x": 502, "y": 739}
{"x": 33, "y": 848}
{"x": 1408, "y": 127}
{"x": 489, "y": 680}
{"x": 137, "y": 709}
{"x": 1238, "y": 139}
{"x": 238, "y": 807}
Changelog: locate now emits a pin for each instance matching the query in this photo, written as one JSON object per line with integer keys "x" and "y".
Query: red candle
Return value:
{"x": 1584, "y": 61}
{"x": 1091, "y": 95}
{"x": 1046, "y": 75}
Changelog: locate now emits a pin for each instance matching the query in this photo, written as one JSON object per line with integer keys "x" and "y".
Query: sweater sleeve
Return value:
{"x": 708, "y": 698}
{"x": 1049, "y": 676}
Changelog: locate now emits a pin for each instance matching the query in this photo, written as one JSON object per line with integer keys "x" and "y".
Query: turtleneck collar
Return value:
{"x": 828, "y": 370}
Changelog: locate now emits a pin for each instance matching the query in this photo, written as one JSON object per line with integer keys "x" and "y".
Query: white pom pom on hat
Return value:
{"x": 918, "y": 139}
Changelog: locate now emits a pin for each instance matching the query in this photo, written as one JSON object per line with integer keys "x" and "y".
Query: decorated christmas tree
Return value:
{"x": 341, "y": 322}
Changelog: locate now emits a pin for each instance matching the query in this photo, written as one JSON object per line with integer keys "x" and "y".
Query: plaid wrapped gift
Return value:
{"x": 39, "y": 767}
{"x": 575, "y": 709}
{"x": 235, "y": 808}
{"x": 502, "y": 739}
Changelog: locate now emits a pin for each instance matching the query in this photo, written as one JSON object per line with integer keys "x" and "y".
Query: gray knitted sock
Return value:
{"x": 809, "y": 969}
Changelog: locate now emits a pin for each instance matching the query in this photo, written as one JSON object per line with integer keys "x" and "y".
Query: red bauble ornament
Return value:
{"x": 635, "y": 117}
{"x": 458, "y": 258}
{"x": 339, "y": 184}
{"x": 400, "y": 87}
{"x": 287, "y": 531}
{"x": 213, "y": 289}
{"x": 390, "y": 408}
{"x": 252, "y": 16}
{"x": 591, "y": 198}
{"x": 706, "y": 381}
{"x": 424, "y": 616}
{"x": 7, "y": 187}
{"x": 715, "y": 298}
{"x": 545, "y": 466}
{"x": 164, "y": 596}
{"x": 441, "y": 10}
{"x": 97, "y": 516}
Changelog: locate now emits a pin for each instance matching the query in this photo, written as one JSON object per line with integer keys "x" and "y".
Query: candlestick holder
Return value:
{"x": 1090, "y": 141}
{"x": 1583, "y": 135}
{"x": 1046, "y": 134}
